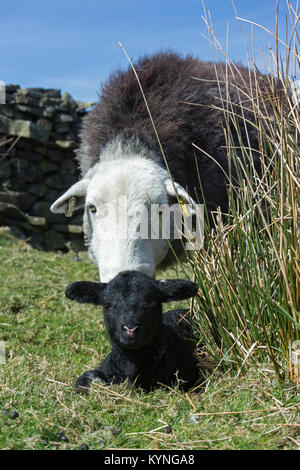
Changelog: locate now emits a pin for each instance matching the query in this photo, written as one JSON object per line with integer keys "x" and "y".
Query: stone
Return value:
{"x": 37, "y": 189}
{"x": 55, "y": 182}
{"x": 68, "y": 101}
{"x": 64, "y": 118}
{"x": 49, "y": 112}
{"x": 37, "y": 221}
{"x": 51, "y": 196}
{"x": 10, "y": 210}
{"x": 10, "y": 152}
{"x": 53, "y": 93}
{"x": 17, "y": 184}
{"x": 61, "y": 127}
{"x": 10, "y": 98}
{"x": 56, "y": 155}
{"x": 19, "y": 164}
{"x": 32, "y": 110}
{"x": 31, "y": 156}
{"x": 20, "y": 98}
{"x": 21, "y": 116}
{"x": 49, "y": 101}
{"x": 8, "y": 196}
{"x": 32, "y": 176}
{"x": 69, "y": 180}
{"x": 44, "y": 124}
{"x": 41, "y": 149}
{"x": 76, "y": 244}
{"x": 4, "y": 122}
{"x": 22, "y": 200}
{"x": 65, "y": 144}
{"x": 68, "y": 166}
{"x": 78, "y": 218}
{"x": 27, "y": 129}
{"x": 10, "y": 88}
{"x": 25, "y": 144}
{"x": 37, "y": 240}
{"x": 41, "y": 209}
{"x": 65, "y": 228}
{"x": 25, "y": 200}
{"x": 41, "y": 165}
{"x": 17, "y": 232}
{"x": 5, "y": 169}
{"x": 53, "y": 240}
{"x": 56, "y": 218}
{"x": 7, "y": 110}
{"x": 35, "y": 93}
{"x": 47, "y": 167}
{"x": 11, "y": 222}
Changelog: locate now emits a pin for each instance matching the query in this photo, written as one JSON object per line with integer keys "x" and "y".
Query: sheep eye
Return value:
{"x": 92, "y": 209}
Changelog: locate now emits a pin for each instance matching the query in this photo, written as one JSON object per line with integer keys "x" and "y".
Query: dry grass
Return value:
{"x": 50, "y": 341}
{"x": 249, "y": 269}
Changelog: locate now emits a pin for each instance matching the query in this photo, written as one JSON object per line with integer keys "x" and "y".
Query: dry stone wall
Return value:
{"x": 38, "y": 134}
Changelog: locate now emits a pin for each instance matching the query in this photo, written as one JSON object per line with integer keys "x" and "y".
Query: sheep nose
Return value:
{"x": 130, "y": 331}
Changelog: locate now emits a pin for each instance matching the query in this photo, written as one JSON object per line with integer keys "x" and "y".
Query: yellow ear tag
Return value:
{"x": 184, "y": 208}
{"x": 71, "y": 205}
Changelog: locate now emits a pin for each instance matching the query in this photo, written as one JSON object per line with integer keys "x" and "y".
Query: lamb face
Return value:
{"x": 142, "y": 343}
{"x": 135, "y": 327}
{"x": 132, "y": 305}
{"x": 132, "y": 311}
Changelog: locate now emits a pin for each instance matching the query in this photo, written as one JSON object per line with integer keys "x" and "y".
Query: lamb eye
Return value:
{"x": 93, "y": 209}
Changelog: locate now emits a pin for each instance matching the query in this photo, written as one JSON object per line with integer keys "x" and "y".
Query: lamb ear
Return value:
{"x": 72, "y": 200}
{"x": 184, "y": 197}
{"x": 86, "y": 292}
{"x": 177, "y": 289}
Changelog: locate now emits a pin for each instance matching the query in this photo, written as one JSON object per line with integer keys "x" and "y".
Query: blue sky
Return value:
{"x": 73, "y": 44}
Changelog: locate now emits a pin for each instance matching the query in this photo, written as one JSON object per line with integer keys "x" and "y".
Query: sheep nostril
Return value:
{"x": 130, "y": 331}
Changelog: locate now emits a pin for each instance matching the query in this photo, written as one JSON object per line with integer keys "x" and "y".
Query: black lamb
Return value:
{"x": 149, "y": 348}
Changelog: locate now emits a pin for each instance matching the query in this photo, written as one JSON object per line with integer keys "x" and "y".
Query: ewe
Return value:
{"x": 148, "y": 347}
{"x": 123, "y": 171}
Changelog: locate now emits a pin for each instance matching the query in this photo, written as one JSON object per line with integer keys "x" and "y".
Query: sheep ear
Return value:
{"x": 72, "y": 200}
{"x": 177, "y": 289}
{"x": 86, "y": 292}
{"x": 175, "y": 189}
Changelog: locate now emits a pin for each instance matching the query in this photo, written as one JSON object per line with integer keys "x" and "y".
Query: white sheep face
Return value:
{"x": 121, "y": 220}
{"x": 117, "y": 218}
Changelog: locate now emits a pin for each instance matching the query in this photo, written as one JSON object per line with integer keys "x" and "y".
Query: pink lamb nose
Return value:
{"x": 130, "y": 331}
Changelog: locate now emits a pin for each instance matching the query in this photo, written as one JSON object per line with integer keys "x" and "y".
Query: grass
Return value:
{"x": 248, "y": 317}
{"x": 50, "y": 341}
{"x": 248, "y": 269}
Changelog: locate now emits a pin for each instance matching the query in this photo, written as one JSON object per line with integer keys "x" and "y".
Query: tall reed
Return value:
{"x": 248, "y": 270}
